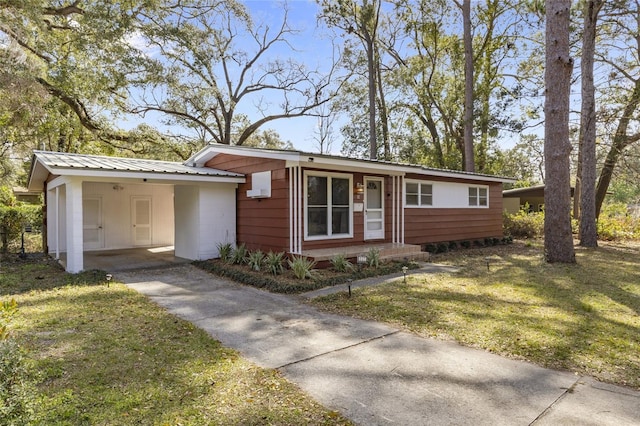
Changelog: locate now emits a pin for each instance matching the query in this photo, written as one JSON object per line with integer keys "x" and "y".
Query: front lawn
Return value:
{"x": 584, "y": 318}
{"x": 107, "y": 355}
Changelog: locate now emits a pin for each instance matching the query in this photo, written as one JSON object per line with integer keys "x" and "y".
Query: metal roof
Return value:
{"x": 60, "y": 160}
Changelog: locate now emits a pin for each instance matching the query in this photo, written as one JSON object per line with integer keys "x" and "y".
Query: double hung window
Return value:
{"x": 478, "y": 196}
{"x": 418, "y": 194}
{"x": 328, "y": 206}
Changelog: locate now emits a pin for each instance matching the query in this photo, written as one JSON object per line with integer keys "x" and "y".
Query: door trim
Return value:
{"x": 134, "y": 225}
{"x": 378, "y": 234}
{"x": 99, "y": 226}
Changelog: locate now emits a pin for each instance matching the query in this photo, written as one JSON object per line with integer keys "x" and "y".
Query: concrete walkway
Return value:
{"x": 375, "y": 374}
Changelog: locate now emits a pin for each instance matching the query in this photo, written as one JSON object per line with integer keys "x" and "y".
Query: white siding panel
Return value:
{"x": 187, "y": 221}
{"x": 217, "y": 218}
{"x": 205, "y": 216}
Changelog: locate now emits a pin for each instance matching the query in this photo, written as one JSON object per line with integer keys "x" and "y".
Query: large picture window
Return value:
{"x": 328, "y": 207}
{"x": 478, "y": 196}
{"x": 418, "y": 194}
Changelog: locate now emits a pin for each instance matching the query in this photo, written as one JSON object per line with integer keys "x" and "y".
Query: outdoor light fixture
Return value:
{"x": 404, "y": 273}
{"x": 109, "y": 276}
{"x": 359, "y": 188}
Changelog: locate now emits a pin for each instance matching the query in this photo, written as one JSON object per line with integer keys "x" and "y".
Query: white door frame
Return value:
{"x": 87, "y": 228}
{"x": 373, "y": 215}
{"x": 135, "y": 226}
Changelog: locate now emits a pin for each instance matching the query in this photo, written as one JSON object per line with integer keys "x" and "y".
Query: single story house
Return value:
{"x": 531, "y": 197}
{"x": 276, "y": 200}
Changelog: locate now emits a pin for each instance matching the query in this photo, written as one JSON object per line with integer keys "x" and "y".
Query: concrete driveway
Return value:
{"x": 375, "y": 374}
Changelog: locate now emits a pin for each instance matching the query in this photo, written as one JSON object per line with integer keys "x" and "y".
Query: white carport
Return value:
{"x": 108, "y": 203}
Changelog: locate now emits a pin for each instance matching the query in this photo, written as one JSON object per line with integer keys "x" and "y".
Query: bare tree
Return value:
{"x": 558, "y": 239}
{"x": 324, "y": 133}
{"x": 215, "y": 59}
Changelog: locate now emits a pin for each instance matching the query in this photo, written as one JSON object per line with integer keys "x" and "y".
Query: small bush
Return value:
{"x": 442, "y": 248}
{"x": 466, "y": 244}
{"x": 274, "y": 262}
{"x": 225, "y": 251}
{"x": 373, "y": 257}
{"x": 478, "y": 243}
{"x": 301, "y": 267}
{"x": 615, "y": 223}
{"x": 523, "y": 224}
{"x": 254, "y": 260}
{"x": 17, "y": 390}
{"x": 431, "y": 248}
{"x": 453, "y": 245}
{"x": 239, "y": 255}
{"x": 341, "y": 264}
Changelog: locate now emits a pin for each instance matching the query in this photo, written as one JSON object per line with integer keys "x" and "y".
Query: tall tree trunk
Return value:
{"x": 371, "y": 70}
{"x": 558, "y": 239}
{"x": 469, "y": 163}
{"x": 586, "y": 191}
{"x": 620, "y": 141}
{"x": 384, "y": 117}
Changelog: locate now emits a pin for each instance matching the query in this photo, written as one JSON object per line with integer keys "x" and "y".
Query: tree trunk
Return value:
{"x": 469, "y": 163}
{"x": 620, "y": 141}
{"x": 384, "y": 118}
{"x": 558, "y": 239}
{"x": 587, "y": 187}
{"x": 373, "y": 144}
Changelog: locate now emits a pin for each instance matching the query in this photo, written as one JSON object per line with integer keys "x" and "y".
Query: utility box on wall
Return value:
{"x": 260, "y": 185}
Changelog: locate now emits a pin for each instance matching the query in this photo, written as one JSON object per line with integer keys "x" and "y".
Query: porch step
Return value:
{"x": 388, "y": 251}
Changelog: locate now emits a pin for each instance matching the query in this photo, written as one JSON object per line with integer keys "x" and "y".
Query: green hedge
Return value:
{"x": 13, "y": 218}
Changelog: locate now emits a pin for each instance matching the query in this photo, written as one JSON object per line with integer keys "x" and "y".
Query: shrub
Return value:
{"x": 373, "y": 257}
{"x": 453, "y": 245}
{"x": 341, "y": 264}
{"x": 274, "y": 262}
{"x": 17, "y": 391}
{"x": 615, "y": 223}
{"x": 13, "y": 219}
{"x": 254, "y": 260}
{"x": 523, "y": 224}
{"x": 431, "y": 248}
{"x": 442, "y": 248}
{"x": 239, "y": 254}
{"x": 225, "y": 251}
{"x": 465, "y": 244}
{"x": 301, "y": 267}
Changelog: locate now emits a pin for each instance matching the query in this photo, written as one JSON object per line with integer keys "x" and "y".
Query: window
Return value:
{"x": 418, "y": 194}
{"x": 478, "y": 196}
{"x": 328, "y": 209}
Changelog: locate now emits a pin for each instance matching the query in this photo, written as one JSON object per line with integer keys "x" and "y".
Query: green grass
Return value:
{"x": 584, "y": 318}
{"x": 107, "y": 355}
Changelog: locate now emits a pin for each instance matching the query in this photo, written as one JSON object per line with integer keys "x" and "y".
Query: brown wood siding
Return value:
{"x": 432, "y": 225}
{"x": 262, "y": 223}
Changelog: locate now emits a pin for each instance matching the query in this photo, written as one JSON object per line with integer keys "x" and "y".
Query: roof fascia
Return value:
{"x": 207, "y": 153}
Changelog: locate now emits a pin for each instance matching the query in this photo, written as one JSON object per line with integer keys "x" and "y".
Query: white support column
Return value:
{"x": 57, "y": 223}
{"x": 300, "y": 213}
{"x": 402, "y": 207}
{"x": 291, "y": 211}
{"x": 393, "y": 209}
{"x": 75, "y": 250}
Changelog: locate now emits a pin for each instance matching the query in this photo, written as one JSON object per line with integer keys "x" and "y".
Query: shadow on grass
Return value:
{"x": 582, "y": 317}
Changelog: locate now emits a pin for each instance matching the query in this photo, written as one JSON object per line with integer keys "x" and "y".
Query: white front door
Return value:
{"x": 373, "y": 209}
{"x": 141, "y": 220}
{"x": 92, "y": 232}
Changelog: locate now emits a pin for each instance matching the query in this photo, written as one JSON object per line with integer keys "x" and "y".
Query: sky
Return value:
{"x": 311, "y": 49}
